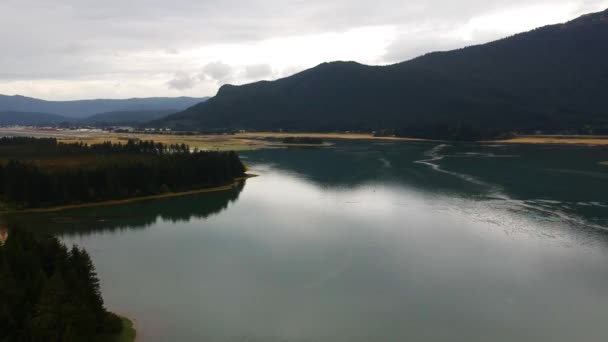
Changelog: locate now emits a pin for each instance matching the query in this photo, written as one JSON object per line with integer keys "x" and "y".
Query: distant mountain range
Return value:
{"x": 10, "y": 118}
{"x": 553, "y": 79}
{"x": 126, "y": 117}
{"x": 21, "y": 110}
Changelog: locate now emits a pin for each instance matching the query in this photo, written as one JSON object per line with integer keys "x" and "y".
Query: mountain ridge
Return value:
{"x": 10, "y": 118}
{"x": 83, "y": 108}
{"x": 553, "y": 78}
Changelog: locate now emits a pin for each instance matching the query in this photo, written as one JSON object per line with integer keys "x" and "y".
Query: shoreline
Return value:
{"x": 325, "y": 144}
{"x": 257, "y": 140}
{"x": 129, "y": 200}
{"x": 337, "y": 136}
{"x": 553, "y": 140}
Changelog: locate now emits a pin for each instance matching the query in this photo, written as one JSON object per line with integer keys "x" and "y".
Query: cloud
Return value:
{"x": 182, "y": 81}
{"x": 142, "y": 43}
{"x": 257, "y": 71}
{"x": 217, "y": 71}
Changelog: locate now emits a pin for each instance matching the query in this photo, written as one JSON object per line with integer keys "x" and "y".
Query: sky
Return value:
{"x": 81, "y": 49}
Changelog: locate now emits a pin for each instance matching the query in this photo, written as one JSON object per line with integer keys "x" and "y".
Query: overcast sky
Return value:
{"x": 76, "y": 49}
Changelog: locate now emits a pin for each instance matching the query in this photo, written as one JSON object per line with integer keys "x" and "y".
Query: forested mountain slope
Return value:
{"x": 553, "y": 79}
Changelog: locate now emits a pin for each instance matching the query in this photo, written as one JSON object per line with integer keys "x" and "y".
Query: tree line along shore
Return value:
{"x": 38, "y": 173}
{"x": 49, "y": 292}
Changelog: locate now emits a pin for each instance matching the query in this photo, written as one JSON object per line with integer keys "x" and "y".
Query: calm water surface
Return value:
{"x": 366, "y": 242}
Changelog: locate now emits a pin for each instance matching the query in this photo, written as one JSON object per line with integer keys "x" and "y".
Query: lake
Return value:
{"x": 362, "y": 241}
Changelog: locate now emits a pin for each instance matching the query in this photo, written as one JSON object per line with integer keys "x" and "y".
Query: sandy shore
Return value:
{"x": 561, "y": 140}
{"x": 344, "y": 136}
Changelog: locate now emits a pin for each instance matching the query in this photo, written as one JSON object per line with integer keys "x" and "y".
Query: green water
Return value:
{"x": 366, "y": 242}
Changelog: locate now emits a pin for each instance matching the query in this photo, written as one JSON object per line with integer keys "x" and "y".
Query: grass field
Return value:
{"x": 345, "y": 136}
{"x": 557, "y": 140}
{"x": 258, "y": 140}
{"x": 202, "y": 142}
{"x": 227, "y": 142}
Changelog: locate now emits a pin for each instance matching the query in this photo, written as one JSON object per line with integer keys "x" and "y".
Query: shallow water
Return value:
{"x": 366, "y": 242}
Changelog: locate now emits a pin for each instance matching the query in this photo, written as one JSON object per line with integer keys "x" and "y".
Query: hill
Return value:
{"x": 553, "y": 79}
{"x": 30, "y": 119}
{"x": 84, "y": 108}
{"x": 126, "y": 117}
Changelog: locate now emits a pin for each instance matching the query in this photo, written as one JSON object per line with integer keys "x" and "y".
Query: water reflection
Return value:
{"x": 295, "y": 261}
{"x": 556, "y": 183}
{"x": 359, "y": 242}
{"x": 138, "y": 215}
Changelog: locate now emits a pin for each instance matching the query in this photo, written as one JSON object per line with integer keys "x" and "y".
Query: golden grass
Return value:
{"x": 202, "y": 142}
{"x": 555, "y": 140}
{"x": 217, "y": 142}
{"x": 345, "y": 136}
{"x": 236, "y": 142}
{"x": 256, "y": 140}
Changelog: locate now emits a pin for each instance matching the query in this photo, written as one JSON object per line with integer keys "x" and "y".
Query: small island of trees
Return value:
{"x": 38, "y": 173}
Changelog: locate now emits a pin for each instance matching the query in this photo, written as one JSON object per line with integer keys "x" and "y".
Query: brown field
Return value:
{"x": 201, "y": 142}
{"x": 346, "y": 136}
{"x": 227, "y": 142}
{"x": 556, "y": 140}
{"x": 257, "y": 140}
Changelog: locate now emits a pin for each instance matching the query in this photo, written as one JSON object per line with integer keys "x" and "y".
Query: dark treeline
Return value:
{"x": 303, "y": 140}
{"x": 457, "y": 131}
{"x": 45, "y": 147}
{"x": 50, "y": 293}
{"x": 131, "y": 216}
{"x": 116, "y": 171}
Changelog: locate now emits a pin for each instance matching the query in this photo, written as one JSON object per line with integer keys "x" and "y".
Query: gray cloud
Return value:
{"x": 182, "y": 81}
{"x": 258, "y": 71}
{"x": 217, "y": 71}
{"x": 89, "y": 40}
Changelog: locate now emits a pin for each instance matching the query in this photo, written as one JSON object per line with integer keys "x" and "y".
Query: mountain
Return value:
{"x": 30, "y": 119}
{"x": 554, "y": 79}
{"x": 126, "y": 117}
{"x": 85, "y": 108}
